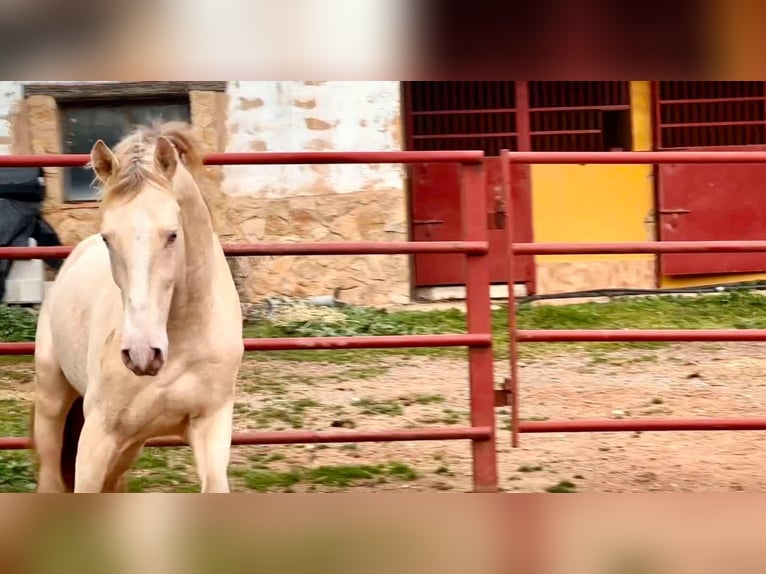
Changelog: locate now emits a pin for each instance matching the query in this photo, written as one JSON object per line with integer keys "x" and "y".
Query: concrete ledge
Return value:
{"x": 457, "y": 292}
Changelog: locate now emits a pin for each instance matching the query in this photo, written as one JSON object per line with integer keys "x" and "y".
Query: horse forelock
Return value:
{"x": 135, "y": 158}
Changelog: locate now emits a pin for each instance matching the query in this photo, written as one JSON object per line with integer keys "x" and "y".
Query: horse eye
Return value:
{"x": 172, "y": 236}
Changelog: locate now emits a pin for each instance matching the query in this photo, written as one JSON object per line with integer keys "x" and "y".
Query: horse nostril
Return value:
{"x": 125, "y": 357}
{"x": 157, "y": 356}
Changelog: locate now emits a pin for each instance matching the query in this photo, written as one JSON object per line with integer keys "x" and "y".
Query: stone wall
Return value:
{"x": 317, "y": 202}
{"x": 270, "y": 203}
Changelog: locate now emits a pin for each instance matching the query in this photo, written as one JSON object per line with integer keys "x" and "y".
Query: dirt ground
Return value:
{"x": 680, "y": 381}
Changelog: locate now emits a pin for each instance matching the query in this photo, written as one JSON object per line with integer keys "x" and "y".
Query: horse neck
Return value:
{"x": 192, "y": 299}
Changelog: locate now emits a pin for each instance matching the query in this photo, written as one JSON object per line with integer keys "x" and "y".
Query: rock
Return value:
{"x": 343, "y": 423}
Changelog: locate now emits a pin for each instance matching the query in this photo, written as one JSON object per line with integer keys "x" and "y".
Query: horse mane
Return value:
{"x": 135, "y": 157}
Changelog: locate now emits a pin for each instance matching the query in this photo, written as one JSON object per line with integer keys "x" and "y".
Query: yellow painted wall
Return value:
{"x": 597, "y": 203}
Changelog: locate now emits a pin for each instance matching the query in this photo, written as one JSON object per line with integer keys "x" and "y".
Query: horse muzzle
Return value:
{"x": 143, "y": 361}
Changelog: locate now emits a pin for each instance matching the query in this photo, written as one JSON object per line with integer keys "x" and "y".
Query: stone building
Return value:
{"x": 249, "y": 203}
{"x": 552, "y": 203}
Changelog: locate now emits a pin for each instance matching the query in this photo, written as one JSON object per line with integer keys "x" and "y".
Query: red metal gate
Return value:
{"x": 510, "y": 393}
{"x": 473, "y": 245}
{"x": 710, "y": 201}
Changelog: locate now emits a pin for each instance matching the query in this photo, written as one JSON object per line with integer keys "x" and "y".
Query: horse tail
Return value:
{"x": 72, "y": 428}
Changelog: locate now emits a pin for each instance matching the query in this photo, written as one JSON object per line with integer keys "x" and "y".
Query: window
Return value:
{"x": 461, "y": 115}
{"x": 579, "y": 116}
{"x": 709, "y": 114}
{"x": 83, "y": 124}
{"x": 109, "y": 110}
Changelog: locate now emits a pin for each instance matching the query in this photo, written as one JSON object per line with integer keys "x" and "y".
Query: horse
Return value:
{"x": 140, "y": 335}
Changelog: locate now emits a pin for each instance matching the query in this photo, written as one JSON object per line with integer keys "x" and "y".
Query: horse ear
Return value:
{"x": 166, "y": 157}
{"x": 102, "y": 159}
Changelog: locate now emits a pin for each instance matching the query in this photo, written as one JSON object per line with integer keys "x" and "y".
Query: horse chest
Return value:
{"x": 138, "y": 407}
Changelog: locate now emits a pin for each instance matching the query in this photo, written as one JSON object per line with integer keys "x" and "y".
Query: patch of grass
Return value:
{"x": 423, "y": 399}
{"x": 366, "y": 321}
{"x": 331, "y": 476}
{"x": 161, "y": 469}
{"x": 361, "y": 372}
{"x": 17, "y": 324}
{"x": 290, "y": 413}
{"x": 374, "y": 407}
{"x": 16, "y": 359}
{"x": 274, "y": 388}
{"x": 401, "y": 471}
{"x": 733, "y": 310}
{"x": 564, "y": 486}
{"x": 599, "y": 358}
{"x": 529, "y": 468}
{"x": 452, "y": 417}
{"x": 242, "y": 409}
{"x": 17, "y": 468}
{"x": 446, "y": 417}
{"x": 341, "y": 476}
{"x": 15, "y": 417}
{"x": 265, "y": 480}
{"x": 24, "y": 375}
{"x": 444, "y": 471}
{"x": 263, "y": 460}
{"x": 395, "y": 407}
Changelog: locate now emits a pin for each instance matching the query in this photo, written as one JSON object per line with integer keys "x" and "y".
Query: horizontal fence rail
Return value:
{"x": 638, "y": 335}
{"x": 470, "y": 340}
{"x": 310, "y": 437}
{"x": 636, "y": 157}
{"x": 416, "y": 247}
{"x": 639, "y": 247}
{"x": 270, "y": 158}
{"x": 644, "y": 425}
{"x": 285, "y": 249}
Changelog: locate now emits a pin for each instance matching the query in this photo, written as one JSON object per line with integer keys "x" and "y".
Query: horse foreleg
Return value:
{"x": 210, "y": 439}
{"x": 52, "y": 403}
{"x": 97, "y": 454}
{"x": 116, "y": 481}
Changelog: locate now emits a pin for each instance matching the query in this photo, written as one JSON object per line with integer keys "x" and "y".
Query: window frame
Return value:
{"x": 94, "y": 94}
{"x": 124, "y": 111}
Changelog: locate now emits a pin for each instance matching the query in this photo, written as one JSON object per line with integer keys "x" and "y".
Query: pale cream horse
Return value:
{"x": 141, "y": 333}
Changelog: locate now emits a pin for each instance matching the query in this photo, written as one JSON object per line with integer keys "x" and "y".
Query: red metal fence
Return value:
{"x": 510, "y": 394}
{"x": 478, "y": 339}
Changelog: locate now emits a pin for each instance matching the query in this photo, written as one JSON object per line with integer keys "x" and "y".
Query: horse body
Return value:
{"x": 147, "y": 333}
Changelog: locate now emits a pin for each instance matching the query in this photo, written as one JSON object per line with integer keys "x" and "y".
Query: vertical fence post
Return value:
{"x": 479, "y": 318}
{"x": 513, "y": 349}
